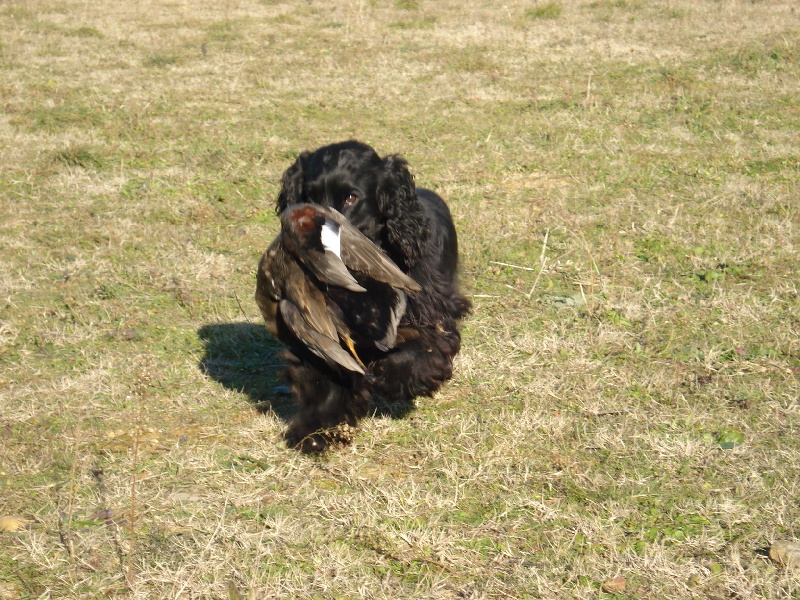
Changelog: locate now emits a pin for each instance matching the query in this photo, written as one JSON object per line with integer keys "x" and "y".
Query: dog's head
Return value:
{"x": 376, "y": 194}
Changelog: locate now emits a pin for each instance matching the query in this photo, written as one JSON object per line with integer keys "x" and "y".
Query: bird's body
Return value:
{"x": 322, "y": 283}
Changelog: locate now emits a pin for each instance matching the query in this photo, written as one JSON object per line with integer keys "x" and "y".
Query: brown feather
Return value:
{"x": 288, "y": 295}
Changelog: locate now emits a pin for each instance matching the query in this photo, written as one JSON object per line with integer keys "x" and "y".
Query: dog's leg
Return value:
{"x": 418, "y": 367}
{"x": 327, "y": 408}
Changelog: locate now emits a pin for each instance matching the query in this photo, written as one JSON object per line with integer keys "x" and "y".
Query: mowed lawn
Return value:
{"x": 624, "y": 421}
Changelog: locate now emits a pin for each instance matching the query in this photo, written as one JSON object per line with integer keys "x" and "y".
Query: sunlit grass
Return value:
{"x": 623, "y": 176}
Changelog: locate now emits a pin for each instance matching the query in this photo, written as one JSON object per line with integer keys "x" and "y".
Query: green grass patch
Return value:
{"x": 425, "y": 22}
{"x": 64, "y": 115}
{"x": 86, "y": 32}
{"x": 547, "y": 10}
{"x": 161, "y": 61}
{"x": 78, "y": 156}
{"x": 406, "y": 4}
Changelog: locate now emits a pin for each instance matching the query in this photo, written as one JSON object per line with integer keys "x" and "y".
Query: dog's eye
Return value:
{"x": 350, "y": 200}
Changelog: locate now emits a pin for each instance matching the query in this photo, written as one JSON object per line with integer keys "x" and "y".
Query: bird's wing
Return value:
{"x": 360, "y": 254}
{"x": 267, "y": 294}
{"x": 314, "y": 240}
{"x": 388, "y": 341}
{"x": 309, "y": 300}
{"x": 325, "y": 347}
{"x": 329, "y": 268}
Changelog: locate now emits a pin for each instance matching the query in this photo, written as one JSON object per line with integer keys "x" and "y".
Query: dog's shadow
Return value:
{"x": 246, "y": 358}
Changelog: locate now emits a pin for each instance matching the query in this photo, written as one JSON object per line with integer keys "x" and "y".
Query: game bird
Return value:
{"x": 324, "y": 284}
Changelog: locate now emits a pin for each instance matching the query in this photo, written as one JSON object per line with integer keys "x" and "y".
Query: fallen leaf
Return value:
{"x": 10, "y": 523}
{"x": 572, "y": 301}
{"x": 186, "y": 496}
{"x": 10, "y": 591}
{"x": 176, "y": 530}
{"x": 729, "y": 438}
{"x": 233, "y": 591}
{"x": 615, "y": 585}
{"x": 106, "y": 514}
{"x": 786, "y": 553}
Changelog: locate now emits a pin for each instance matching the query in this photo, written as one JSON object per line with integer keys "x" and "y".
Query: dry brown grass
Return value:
{"x": 624, "y": 176}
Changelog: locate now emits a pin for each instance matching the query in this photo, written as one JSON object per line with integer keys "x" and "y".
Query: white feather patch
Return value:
{"x": 330, "y": 238}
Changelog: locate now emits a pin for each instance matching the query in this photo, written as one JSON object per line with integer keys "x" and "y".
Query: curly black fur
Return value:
{"x": 414, "y": 227}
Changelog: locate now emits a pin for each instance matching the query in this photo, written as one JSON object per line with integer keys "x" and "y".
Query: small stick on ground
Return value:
{"x": 244, "y": 314}
{"x": 542, "y": 261}
{"x": 65, "y": 533}
{"x": 132, "y": 519}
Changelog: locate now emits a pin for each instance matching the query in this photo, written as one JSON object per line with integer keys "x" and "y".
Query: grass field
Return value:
{"x": 625, "y": 417}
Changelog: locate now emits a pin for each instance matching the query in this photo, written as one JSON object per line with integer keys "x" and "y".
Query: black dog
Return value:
{"x": 414, "y": 227}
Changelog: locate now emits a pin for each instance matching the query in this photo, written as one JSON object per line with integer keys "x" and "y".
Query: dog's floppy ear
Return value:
{"x": 406, "y": 226}
{"x": 292, "y": 184}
